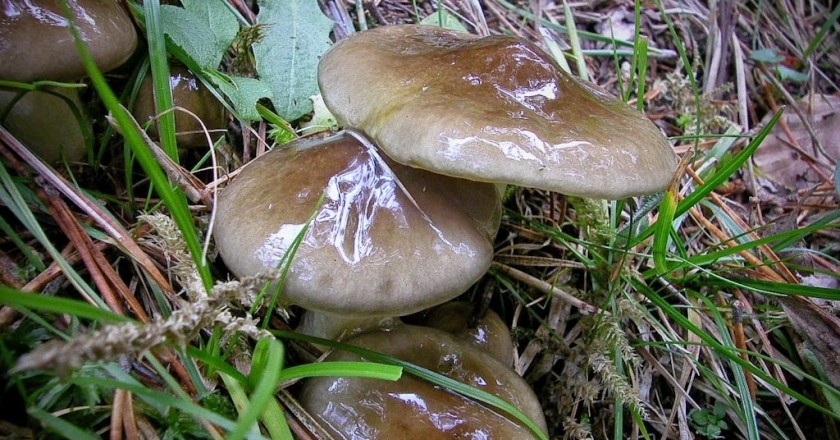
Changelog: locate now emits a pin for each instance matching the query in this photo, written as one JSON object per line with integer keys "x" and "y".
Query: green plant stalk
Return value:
{"x": 641, "y": 53}
{"x": 719, "y": 348}
{"x": 12, "y": 198}
{"x": 687, "y": 63}
{"x": 157, "y": 399}
{"x": 17, "y": 299}
{"x": 574, "y": 41}
{"x": 714, "y": 181}
{"x": 160, "y": 78}
{"x": 829, "y": 23}
{"x": 744, "y": 398}
{"x": 60, "y": 426}
{"x": 667, "y": 209}
{"x": 563, "y": 29}
{"x": 174, "y": 200}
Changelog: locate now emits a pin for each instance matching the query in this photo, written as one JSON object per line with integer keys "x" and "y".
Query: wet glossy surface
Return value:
{"x": 36, "y": 44}
{"x": 410, "y": 408}
{"x": 189, "y": 93}
{"x": 387, "y": 240}
{"x": 491, "y": 109}
{"x": 489, "y": 333}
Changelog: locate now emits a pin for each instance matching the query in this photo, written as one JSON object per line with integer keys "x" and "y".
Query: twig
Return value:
{"x": 546, "y": 288}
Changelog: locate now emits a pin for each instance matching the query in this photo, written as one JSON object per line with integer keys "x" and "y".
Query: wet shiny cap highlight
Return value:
{"x": 386, "y": 240}
{"x": 492, "y": 109}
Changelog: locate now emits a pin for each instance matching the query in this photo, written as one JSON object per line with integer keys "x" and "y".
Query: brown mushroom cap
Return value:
{"x": 44, "y": 122}
{"x": 388, "y": 240}
{"x": 36, "y": 43}
{"x": 187, "y": 92}
{"x": 411, "y": 408}
{"x": 489, "y": 333}
{"x": 493, "y": 109}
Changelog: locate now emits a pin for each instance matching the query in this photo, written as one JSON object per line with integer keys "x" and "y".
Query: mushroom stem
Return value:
{"x": 334, "y": 327}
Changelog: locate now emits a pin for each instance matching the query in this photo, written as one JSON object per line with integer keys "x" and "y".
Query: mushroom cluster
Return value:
{"x": 408, "y": 206}
{"x": 394, "y": 235}
{"x": 36, "y": 44}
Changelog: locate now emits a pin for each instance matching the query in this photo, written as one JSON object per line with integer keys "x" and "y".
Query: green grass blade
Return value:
{"x": 160, "y": 78}
{"x": 16, "y": 299}
{"x": 818, "y": 39}
{"x": 744, "y": 398}
{"x": 60, "y": 426}
{"x": 159, "y": 398}
{"x": 175, "y": 200}
{"x": 641, "y": 54}
{"x": 370, "y": 370}
{"x": 264, "y": 389}
{"x": 722, "y": 350}
{"x": 664, "y": 221}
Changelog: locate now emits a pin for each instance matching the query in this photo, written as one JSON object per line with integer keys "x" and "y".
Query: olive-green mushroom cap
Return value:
{"x": 387, "y": 240}
{"x": 45, "y": 122}
{"x": 492, "y": 109}
{"x": 36, "y": 42}
{"x": 411, "y": 408}
{"x": 488, "y": 333}
{"x": 189, "y": 93}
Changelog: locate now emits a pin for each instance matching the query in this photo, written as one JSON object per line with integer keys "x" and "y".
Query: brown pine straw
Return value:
{"x": 111, "y": 227}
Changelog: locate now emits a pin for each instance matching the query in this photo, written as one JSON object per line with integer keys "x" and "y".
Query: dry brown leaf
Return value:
{"x": 781, "y": 168}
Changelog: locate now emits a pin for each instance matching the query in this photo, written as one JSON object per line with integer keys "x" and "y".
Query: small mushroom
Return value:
{"x": 36, "y": 43}
{"x": 387, "y": 239}
{"x": 45, "y": 123}
{"x": 488, "y": 333}
{"x": 411, "y": 408}
{"x": 189, "y": 93}
{"x": 492, "y": 109}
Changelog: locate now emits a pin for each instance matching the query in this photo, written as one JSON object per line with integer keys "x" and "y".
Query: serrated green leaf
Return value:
{"x": 243, "y": 93}
{"x": 204, "y": 29}
{"x": 296, "y": 34}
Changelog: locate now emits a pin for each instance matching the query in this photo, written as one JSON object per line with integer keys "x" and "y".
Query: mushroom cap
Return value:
{"x": 387, "y": 240}
{"x": 489, "y": 333}
{"x": 411, "y": 408}
{"x": 36, "y": 43}
{"x": 44, "y": 122}
{"x": 492, "y": 109}
{"x": 187, "y": 92}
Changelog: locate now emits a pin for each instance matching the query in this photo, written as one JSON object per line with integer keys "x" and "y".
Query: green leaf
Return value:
{"x": 296, "y": 35}
{"x": 786, "y": 73}
{"x": 322, "y": 118}
{"x": 768, "y": 55}
{"x": 243, "y": 93}
{"x": 203, "y": 28}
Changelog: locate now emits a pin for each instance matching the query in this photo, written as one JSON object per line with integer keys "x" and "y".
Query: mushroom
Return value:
{"x": 488, "y": 333}
{"x": 45, "y": 122}
{"x": 36, "y": 44}
{"x": 387, "y": 240}
{"x": 412, "y": 408}
{"x": 492, "y": 109}
{"x": 189, "y": 93}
